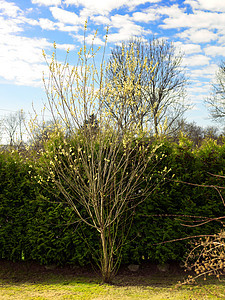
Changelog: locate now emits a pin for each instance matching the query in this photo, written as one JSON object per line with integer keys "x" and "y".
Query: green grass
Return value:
{"x": 30, "y": 281}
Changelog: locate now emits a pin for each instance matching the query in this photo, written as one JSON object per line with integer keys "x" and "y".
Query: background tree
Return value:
{"x": 216, "y": 101}
{"x": 40, "y": 132}
{"x": 194, "y": 132}
{"x": 211, "y": 132}
{"x": 157, "y": 96}
{"x": 13, "y": 126}
{"x": 100, "y": 175}
{"x": 1, "y": 130}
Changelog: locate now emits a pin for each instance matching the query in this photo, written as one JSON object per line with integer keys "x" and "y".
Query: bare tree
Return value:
{"x": 158, "y": 80}
{"x": 40, "y": 132}
{"x": 216, "y": 100}
{"x": 207, "y": 255}
{"x": 1, "y": 129}
{"x": 100, "y": 174}
{"x": 211, "y": 132}
{"x": 14, "y": 128}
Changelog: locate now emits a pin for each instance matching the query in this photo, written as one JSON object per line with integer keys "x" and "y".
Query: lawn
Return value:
{"x": 31, "y": 281}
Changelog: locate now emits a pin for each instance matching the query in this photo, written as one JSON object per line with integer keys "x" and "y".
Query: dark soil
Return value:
{"x": 148, "y": 273}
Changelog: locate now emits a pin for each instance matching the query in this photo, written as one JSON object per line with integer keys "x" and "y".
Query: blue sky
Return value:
{"x": 196, "y": 27}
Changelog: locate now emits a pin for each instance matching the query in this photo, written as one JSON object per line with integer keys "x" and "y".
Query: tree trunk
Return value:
{"x": 156, "y": 125}
{"x": 106, "y": 260}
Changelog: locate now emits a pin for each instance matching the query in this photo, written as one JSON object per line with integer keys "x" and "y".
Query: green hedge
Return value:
{"x": 16, "y": 193}
{"x": 34, "y": 225}
{"x": 174, "y": 198}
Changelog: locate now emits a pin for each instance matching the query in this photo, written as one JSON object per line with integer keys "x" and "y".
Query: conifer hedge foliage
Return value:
{"x": 35, "y": 225}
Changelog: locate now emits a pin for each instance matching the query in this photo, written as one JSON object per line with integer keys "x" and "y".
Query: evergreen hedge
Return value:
{"x": 35, "y": 225}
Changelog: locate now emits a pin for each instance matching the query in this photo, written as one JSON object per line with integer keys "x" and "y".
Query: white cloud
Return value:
{"x": 207, "y": 72}
{"x": 103, "y": 7}
{"x": 89, "y": 39}
{"x": 188, "y": 48}
{"x": 127, "y": 29}
{"x": 47, "y": 24}
{"x": 193, "y": 3}
{"x": 203, "y": 89}
{"x": 119, "y": 21}
{"x": 25, "y": 20}
{"x": 99, "y": 20}
{"x": 9, "y": 26}
{"x": 22, "y": 73}
{"x": 66, "y": 17}
{"x": 198, "y": 36}
{"x": 196, "y": 60}
{"x": 146, "y": 16}
{"x": 211, "y": 5}
{"x": 65, "y": 46}
{"x": 67, "y": 28}
{"x": 215, "y": 50}
{"x": 221, "y": 36}
{"x": 15, "y": 48}
{"x": 177, "y": 18}
{"x": 172, "y": 11}
{"x": 9, "y": 9}
{"x": 47, "y": 2}
{"x": 12, "y": 18}
{"x": 21, "y": 59}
